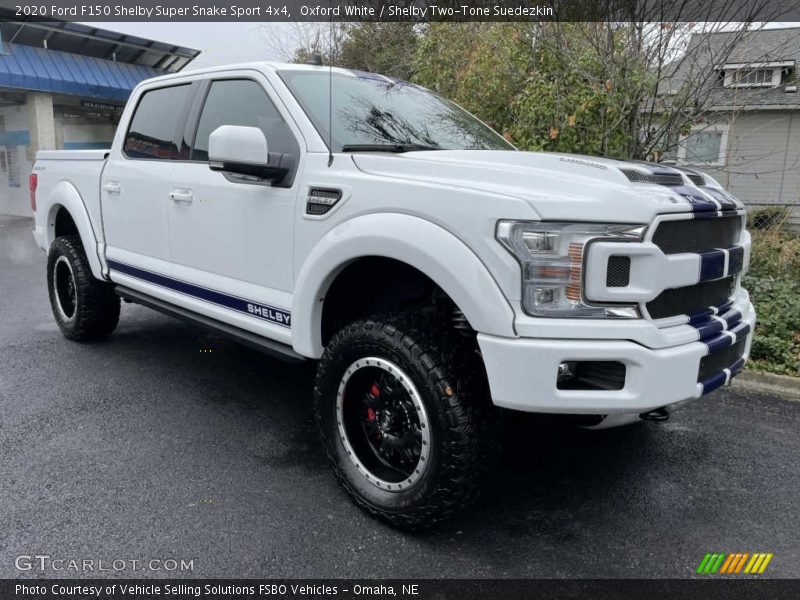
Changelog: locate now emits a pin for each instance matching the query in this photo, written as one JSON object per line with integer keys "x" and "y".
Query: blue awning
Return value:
{"x": 42, "y": 70}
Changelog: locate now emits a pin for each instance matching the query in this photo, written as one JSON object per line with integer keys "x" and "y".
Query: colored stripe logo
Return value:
{"x": 279, "y": 316}
{"x": 734, "y": 563}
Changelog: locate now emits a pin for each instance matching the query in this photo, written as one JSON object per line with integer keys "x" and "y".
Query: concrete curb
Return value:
{"x": 768, "y": 382}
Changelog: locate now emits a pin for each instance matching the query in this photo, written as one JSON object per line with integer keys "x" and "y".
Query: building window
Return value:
{"x": 755, "y": 74}
{"x": 704, "y": 146}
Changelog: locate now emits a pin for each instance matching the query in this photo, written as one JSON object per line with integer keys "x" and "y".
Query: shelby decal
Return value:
{"x": 270, "y": 314}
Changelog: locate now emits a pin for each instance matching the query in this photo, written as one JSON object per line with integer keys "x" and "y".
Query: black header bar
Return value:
{"x": 401, "y": 10}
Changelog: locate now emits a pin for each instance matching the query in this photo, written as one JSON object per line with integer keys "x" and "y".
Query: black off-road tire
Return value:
{"x": 450, "y": 378}
{"x": 91, "y": 309}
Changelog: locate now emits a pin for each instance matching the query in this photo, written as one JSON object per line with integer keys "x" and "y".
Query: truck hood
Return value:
{"x": 561, "y": 186}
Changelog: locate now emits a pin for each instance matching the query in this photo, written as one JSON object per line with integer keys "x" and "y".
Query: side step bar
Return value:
{"x": 236, "y": 334}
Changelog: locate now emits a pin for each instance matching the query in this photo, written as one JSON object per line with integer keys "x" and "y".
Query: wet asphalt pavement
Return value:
{"x": 167, "y": 442}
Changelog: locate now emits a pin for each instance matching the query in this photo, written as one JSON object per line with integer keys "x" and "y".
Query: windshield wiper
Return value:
{"x": 386, "y": 147}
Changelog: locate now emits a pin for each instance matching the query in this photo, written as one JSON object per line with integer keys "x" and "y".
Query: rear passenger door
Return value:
{"x": 231, "y": 238}
{"x": 135, "y": 186}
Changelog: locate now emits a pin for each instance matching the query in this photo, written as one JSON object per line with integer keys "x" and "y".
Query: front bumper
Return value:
{"x": 523, "y": 371}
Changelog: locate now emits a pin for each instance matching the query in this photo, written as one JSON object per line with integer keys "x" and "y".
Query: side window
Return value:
{"x": 151, "y": 132}
{"x": 242, "y": 102}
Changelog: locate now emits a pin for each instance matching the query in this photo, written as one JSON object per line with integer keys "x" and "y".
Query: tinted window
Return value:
{"x": 371, "y": 109}
{"x": 152, "y": 130}
{"x": 242, "y": 102}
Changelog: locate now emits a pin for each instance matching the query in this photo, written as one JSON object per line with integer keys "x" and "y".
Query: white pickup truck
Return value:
{"x": 433, "y": 270}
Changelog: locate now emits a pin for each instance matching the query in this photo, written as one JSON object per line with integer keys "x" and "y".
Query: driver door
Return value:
{"x": 231, "y": 240}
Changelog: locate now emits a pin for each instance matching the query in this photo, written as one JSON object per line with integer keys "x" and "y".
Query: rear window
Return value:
{"x": 152, "y": 130}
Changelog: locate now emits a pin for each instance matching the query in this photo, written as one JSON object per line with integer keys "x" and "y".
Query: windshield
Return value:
{"x": 372, "y": 111}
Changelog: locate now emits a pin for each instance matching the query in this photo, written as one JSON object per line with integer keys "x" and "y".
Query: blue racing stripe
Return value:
{"x": 724, "y": 339}
{"x": 702, "y": 315}
{"x": 279, "y": 316}
{"x": 737, "y": 366}
{"x": 712, "y": 265}
{"x": 696, "y": 198}
{"x": 708, "y": 330}
{"x": 727, "y": 201}
{"x": 735, "y": 260}
{"x": 713, "y": 382}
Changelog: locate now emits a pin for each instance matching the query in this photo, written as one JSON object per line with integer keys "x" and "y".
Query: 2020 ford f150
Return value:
{"x": 431, "y": 268}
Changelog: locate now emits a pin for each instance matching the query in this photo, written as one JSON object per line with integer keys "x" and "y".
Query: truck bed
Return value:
{"x": 72, "y": 154}
{"x": 64, "y": 175}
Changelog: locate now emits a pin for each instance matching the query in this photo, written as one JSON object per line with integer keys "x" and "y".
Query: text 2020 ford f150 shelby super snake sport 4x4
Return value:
{"x": 431, "y": 269}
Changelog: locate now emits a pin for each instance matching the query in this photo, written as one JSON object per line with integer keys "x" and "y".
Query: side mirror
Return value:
{"x": 243, "y": 151}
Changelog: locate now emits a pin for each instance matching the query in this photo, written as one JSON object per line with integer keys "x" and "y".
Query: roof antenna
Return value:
{"x": 330, "y": 88}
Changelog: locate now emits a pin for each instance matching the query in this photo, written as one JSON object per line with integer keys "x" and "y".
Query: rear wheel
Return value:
{"x": 402, "y": 415}
{"x": 84, "y": 307}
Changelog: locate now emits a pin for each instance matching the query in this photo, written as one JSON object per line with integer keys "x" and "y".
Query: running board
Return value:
{"x": 246, "y": 338}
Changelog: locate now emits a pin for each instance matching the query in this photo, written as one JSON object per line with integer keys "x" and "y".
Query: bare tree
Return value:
{"x": 663, "y": 59}
{"x": 299, "y": 40}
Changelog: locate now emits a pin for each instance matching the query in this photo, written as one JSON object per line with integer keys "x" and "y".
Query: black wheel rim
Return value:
{"x": 64, "y": 288}
{"x": 383, "y": 424}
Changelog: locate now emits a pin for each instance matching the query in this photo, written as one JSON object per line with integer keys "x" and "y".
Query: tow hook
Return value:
{"x": 659, "y": 415}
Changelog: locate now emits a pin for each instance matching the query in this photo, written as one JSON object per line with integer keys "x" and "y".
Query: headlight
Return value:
{"x": 551, "y": 255}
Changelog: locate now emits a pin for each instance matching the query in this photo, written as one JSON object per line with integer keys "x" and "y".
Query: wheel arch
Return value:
{"x": 67, "y": 215}
{"x": 421, "y": 245}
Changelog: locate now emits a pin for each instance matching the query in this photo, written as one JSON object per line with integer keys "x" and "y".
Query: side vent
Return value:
{"x": 320, "y": 200}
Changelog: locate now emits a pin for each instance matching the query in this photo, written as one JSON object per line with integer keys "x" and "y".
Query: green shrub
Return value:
{"x": 776, "y": 345}
{"x": 774, "y": 285}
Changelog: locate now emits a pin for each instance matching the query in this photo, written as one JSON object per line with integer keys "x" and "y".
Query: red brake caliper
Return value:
{"x": 375, "y": 392}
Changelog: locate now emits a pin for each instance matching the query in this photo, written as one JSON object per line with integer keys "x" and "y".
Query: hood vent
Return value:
{"x": 697, "y": 179}
{"x": 321, "y": 200}
{"x": 659, "y": 178}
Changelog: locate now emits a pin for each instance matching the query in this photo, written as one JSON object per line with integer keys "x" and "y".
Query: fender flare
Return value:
{"x": 65, "y": 195}
{"x": 427, "y": 247}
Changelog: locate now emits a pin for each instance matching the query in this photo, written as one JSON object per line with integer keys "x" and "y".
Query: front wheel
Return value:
{"x": 402, "y": 414}
{"x": 84, "y": 307}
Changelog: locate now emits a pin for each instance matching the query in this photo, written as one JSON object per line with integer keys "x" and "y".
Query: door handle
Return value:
{"x": 184, "y": 197}
{"x": 112, "y": 187}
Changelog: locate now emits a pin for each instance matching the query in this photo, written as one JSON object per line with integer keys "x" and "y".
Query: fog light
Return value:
{"x": 593, "y": 375}
{"x": 566, "y": 370}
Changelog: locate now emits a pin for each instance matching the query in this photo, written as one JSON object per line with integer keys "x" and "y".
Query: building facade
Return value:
{"x": 748, "y": 136}
{"x": 63, "y": 86}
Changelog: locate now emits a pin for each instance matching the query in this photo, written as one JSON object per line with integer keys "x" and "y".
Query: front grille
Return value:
{"x": 714, "y": 363}
{"x": 659, "y": 178}
{"x": 690, "y": 299}
{"x": 697, "y": 235}
{"x": 618, "y": 273}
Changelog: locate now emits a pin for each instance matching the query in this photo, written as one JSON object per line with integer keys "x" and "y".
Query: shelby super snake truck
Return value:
{"x": 430, "y": 268}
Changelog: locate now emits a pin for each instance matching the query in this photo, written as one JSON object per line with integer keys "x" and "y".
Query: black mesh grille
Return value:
{"x": 714, "y": 363}
{"x": 698, "y": 180}
{"x": 317, "y": 209}
{"x": 618, "y": 273}
{"x": 321, "y": 201}
{"x": 660, "y": 179}
{"x": 697, "y": 235}
{"x": 690, "y": 299}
